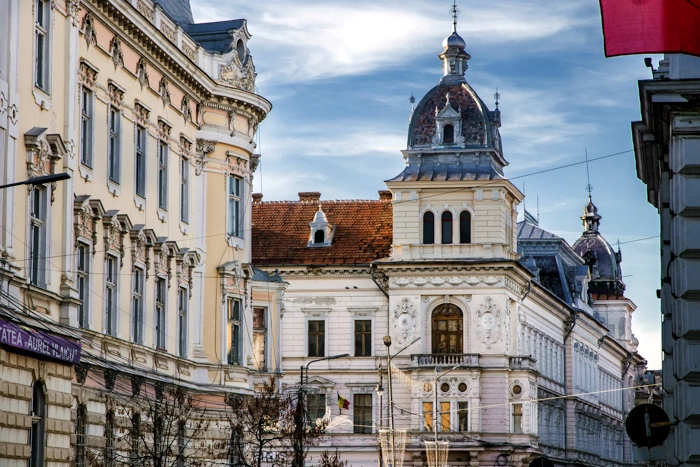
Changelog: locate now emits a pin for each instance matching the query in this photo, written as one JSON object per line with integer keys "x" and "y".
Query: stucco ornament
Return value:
{"x": 405, "y": 321}
{"x": 115, "y": 50}
{"x": 488, "y": 322}
{"x": 239, "y": 74}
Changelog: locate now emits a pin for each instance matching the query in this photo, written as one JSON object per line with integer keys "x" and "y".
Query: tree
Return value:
{"x": 159, "y": 429}
{"x": 266, "y": 426}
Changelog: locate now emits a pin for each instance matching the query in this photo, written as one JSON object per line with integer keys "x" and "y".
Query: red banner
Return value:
{"x": 651, "y": 26}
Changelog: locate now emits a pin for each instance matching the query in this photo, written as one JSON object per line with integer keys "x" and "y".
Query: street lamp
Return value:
{"x": 380, "y": 392}
{"x": 40, "y": 180}
{"x": 298, "y": 460}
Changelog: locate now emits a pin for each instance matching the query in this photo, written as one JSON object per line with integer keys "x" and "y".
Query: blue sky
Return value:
{"x": 339, "y": 75}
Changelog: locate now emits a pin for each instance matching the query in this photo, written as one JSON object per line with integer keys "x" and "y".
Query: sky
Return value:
{"x": 340, "y": 74}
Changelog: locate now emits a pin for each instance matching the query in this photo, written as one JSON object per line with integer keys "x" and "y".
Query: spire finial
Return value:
{"x": 455, "y": 12}
{"x": 497, "y": 97}
{"x": 589, "y": 187}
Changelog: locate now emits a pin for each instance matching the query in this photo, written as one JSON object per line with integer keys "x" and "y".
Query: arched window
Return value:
{"x": 37, "y": 437}
{"x": 428, "y": 228}
{"x": 319, "y": 236}
{"x": 447, "y": 330}
{"x": 447, "y": 227}
{"x": 465, "y": 227}
{"x": 80, "y": 424}
{"x": 448, "y": 134}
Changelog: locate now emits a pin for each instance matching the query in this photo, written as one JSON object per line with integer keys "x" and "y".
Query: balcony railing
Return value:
{"x": 447, "y": 359}
{"x": 522, "y": 363}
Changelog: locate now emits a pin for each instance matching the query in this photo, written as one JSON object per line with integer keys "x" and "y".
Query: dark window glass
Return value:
{"x": 109, "y": 439}
{"x": 465, "y": 227}
{"x": 160, "y": 313}
{"x": 363, "y": 338}
{"x": 317, "y": 338}
{"x": 463, "y": 416}
{"x": 447, "y": 227}
{"x": 37, "y": 434}
{"x": 80, "y": 424}
{"x": 362, "y": 413}
{"x": 319, "y": 236}
{"x": 428, "y": 228}
{"x": 182, "y": 302}
{"x": 83, "y": 270}
{"x": 163, "y": 175}
{"x": 140, "y": 162}
{"x": 234, "y": 330}
{"x": 449, "y": 134}
{"x": 315, "y": 407}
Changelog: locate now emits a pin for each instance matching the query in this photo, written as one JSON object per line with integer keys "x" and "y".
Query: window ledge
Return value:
{"x": 162, "y": 215}
{"x": 42, "y": 99}
{"x": 140, "y": 202}
{"x": 236, "y": 242}
{"x": 114, "y": 188}
{"x": 86, "y": 173}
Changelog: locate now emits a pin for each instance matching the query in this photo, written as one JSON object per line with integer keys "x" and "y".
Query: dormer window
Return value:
{"x": 321, "y": 230}
{"x": 448, "y": 134}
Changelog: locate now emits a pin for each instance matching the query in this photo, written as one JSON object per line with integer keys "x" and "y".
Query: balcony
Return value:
{"x": 522, "y": 363}
{"x": 445, "y": 359}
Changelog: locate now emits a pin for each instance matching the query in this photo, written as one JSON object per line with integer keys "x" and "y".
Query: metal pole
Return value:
{"x": 387, "y": 343}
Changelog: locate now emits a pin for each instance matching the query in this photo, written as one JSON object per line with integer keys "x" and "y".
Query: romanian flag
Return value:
{"x": 343, "y": 403}
{"x": 651, "y": 26}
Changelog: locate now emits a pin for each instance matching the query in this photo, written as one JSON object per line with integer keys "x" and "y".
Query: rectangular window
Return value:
{"x": 184, "y": 190}
{"x": 444, "y": 416}
{"x": 115, "y": 135}
{"x": 517, "y": 418}
{"x": 86, "y": 127}
{"x": 427, "y": 416}
{"x": 362, "y": 413}
{"x": 111, "y": 283}
{"x": 163, "y": 175}
{"x": 259, "y": 337}
{"x": 42, "y": 21}
{"x": 137, "y": 306}
{"x": 234, "y": 205}
{"x": 140, "y": 162}
{"x": 315, "y": 407}
{"x": 38, "y": 238}
{"x": 317, "y": 338}
{"x": 463, "y": 416}
{"x": 83, "y": 271}
{"x": 160, "y": 313}
{"x": 233, "y": 310}
{"x": 363, "y": 338}
{"x": 182, "y": 302}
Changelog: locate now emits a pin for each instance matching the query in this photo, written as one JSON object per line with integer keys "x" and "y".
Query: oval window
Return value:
{"x": 445, "y": 387}
{"x": 462, "y": 387}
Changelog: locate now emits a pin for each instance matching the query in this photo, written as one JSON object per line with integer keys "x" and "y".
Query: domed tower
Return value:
{"x": 452, "y": 195}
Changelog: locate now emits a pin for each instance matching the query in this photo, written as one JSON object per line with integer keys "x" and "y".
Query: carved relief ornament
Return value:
{"x": 405, "y": 321}
{"x": 88, "y": 28}
{"x": 116, "y": 93}
{"x": 115, "y": 50}
{"x": 113, "y": 233}
{"x": 142, "y": 72}
{"x": 186, "y": 109}
{"x": 142, "y": 112}
{"x": 87, "y": 73}
{"x": 84, "y": 222}
{"x": 164, "y": 91}
{"x": 204, "y": 148}
{"x": 488, "y": 322}
{"x": 73, "y": 7}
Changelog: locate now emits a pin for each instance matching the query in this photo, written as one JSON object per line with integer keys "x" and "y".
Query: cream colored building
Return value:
{"x": 145, "y": 250}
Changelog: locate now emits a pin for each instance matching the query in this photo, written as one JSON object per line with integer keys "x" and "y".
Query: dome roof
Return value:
{"x": 454, "y": 40}
{"x": 473, "y": 113}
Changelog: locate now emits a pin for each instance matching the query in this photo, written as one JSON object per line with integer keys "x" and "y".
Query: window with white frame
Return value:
{"x": 463, "y": 416}
{"x": 115, "y": 136}
{"x": 184, "y": 190}
{"x": 362, "y": 413}
{"x": 517, "y": 418}
{"x": 315, "y": 407}
{"x": 111, "y": 292}
{"x": 427, "y": 418}
{"x": 160, "y": 312}
{"x": 83, "y": 285}
{"x": 259, "y": 337}
{"x": 316, "y": 338}
{"x": 233, "y": 310}
{"x": 38, "y": 226}
{"x": 235, "y": 213}
{"x": 363, "y": 338}
{"x": 444, "y": 416}
{"x": 163, "y": 175}
{"x": 182, "y": 302}
{"x": 137, "y": 305}
{"x": 140, "y": 161}
{"x": 42, "y": 44}
{"x": 86, "y": 131}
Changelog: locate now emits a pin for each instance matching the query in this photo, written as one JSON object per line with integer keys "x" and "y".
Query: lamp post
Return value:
{"x": 380, "y": 392}
{"x": 299, "y": 413}
{"x": 389, "y": 358}
{"x": 39, "y": 180}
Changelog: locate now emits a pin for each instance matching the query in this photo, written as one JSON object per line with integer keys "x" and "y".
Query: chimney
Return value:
{"x": 257, "y": 197}
{"x": 309, "y": 196}
{"x": 385, "y": 195}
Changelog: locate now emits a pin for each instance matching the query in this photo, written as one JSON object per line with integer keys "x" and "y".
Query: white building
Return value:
{"x": 437, "y": 265}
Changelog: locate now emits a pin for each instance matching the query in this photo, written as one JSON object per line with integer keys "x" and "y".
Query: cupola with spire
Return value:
{"x": 454, "y": 57}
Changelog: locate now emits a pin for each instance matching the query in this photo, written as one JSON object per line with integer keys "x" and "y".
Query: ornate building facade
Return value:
{"x": 143, "y": 255}
{"x": 521, "y": 340}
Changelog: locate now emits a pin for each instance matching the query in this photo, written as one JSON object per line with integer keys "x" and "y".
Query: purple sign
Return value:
{"x": 38, "y": 342}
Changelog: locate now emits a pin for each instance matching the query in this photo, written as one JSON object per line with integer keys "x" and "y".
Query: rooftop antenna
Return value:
{"x": 455, "y": 12}
{"x": 538, "y": 209}
{"x": 497, "y": 97}
{"x": 589, "y": 188}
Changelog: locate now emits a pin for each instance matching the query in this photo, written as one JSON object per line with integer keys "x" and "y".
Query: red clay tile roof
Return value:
{"x": 363, "y": 232}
